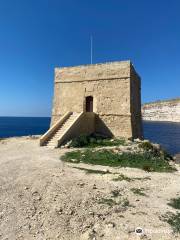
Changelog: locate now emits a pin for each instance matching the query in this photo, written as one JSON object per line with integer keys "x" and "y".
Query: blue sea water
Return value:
{"x": 23, "y": 126}
{"x": 165, "y": 133}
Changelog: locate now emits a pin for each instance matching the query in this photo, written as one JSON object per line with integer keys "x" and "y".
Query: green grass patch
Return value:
{"x": 138, "y": 191}
{"x": 93, "y": 140}
{"x": 145, "y": 161}
{"x": 122, "y": 177}
{"x": 142, "y": 178}
{"x": 173, "y": 219}
{"x": 111, "y": 202}
{"x": 155, "y": 151}
{"x": 175, "y": 203}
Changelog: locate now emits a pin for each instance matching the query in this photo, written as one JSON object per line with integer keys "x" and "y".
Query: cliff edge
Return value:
{"x": 167, "y": 110}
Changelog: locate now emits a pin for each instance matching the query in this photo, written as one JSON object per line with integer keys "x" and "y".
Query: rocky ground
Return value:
{"x": 43, "y": 198}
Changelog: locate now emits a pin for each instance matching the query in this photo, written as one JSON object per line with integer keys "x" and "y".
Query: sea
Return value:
{"x": 165, "y": 133}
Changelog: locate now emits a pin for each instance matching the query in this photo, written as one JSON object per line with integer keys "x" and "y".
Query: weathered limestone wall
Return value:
{"x": 162, "y": 111}
{"x": 110, "y": 86}
{"x": 113, "y": 125}
{"x": 135, "y": 104}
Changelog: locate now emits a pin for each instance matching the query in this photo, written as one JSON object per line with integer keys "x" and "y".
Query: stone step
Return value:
{"x": 58, "y": 133}
{"x": 52, "y": 142}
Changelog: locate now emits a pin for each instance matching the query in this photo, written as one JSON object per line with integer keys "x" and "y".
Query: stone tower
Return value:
{"x": 107, "y": 95}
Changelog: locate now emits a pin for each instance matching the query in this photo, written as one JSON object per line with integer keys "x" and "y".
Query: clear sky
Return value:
{"x": 38, "y": 35}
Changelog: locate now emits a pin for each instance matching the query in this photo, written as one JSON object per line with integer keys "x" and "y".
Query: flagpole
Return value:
{"x": 91, "y": 49}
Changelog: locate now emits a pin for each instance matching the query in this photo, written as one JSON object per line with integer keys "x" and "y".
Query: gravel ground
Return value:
{"x": 44, "y": 198}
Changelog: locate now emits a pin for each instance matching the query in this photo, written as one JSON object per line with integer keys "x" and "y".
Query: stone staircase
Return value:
{"x": 52, "y": 138}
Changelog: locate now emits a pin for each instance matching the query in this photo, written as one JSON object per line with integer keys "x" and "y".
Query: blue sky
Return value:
{"x": 38, "y": 35}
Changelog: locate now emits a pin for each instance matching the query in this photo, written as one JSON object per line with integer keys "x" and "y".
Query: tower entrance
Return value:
{"x": 89, "y": 104}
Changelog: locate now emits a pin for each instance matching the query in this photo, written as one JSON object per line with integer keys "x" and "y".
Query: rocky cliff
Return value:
{"x": 168, "y": 110}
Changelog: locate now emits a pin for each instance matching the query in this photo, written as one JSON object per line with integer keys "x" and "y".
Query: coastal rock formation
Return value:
{"x": 168, "y": 110}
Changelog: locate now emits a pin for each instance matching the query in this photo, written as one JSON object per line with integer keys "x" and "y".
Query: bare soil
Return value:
{"x": 43, "y": 198}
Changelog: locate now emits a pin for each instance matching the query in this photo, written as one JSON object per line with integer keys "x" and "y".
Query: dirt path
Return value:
{"x": 43, "y": 198}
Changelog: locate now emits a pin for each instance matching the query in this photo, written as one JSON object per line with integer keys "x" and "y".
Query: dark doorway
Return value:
{"x": 89, "y": 104}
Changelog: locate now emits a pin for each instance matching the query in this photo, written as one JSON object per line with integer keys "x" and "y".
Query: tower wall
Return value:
{"x": 113, "y": 88}
{"x": 135, "y": 104}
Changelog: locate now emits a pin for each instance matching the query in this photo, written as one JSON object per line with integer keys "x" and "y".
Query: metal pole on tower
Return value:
{"x": 91, "y": 49}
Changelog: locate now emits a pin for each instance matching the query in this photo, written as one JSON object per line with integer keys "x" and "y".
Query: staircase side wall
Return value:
{"x": 85, "y": 124}
{"x": 44, "y": 138}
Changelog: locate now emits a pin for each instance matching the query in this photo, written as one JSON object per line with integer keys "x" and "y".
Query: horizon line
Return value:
{"x": 29, "y": 116}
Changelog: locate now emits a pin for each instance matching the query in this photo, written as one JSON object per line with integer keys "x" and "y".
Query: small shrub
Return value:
{"x": 147, "y": 168}
{"x": 122, "y": 177}
{"x": 115, "y": 193}
{"x": 143, "y": 178}
{"x": 108, "y": 201}
{"x": 155, "y": 151}
{"x": 125, "y": 202}
{"x": 173, "y": 219}
{"x": 166, "y": 155}
{"x": 94, "y": 140}
{"x": 175, "y": 203}
{"x": 138, "y": 191}
{"x": 80, "y": 141}
{"x": 111, "y": 202}
{"x": 147, "y": 146}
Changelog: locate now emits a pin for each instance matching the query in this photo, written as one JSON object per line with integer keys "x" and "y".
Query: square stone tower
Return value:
{"x": 111, "y": 91}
